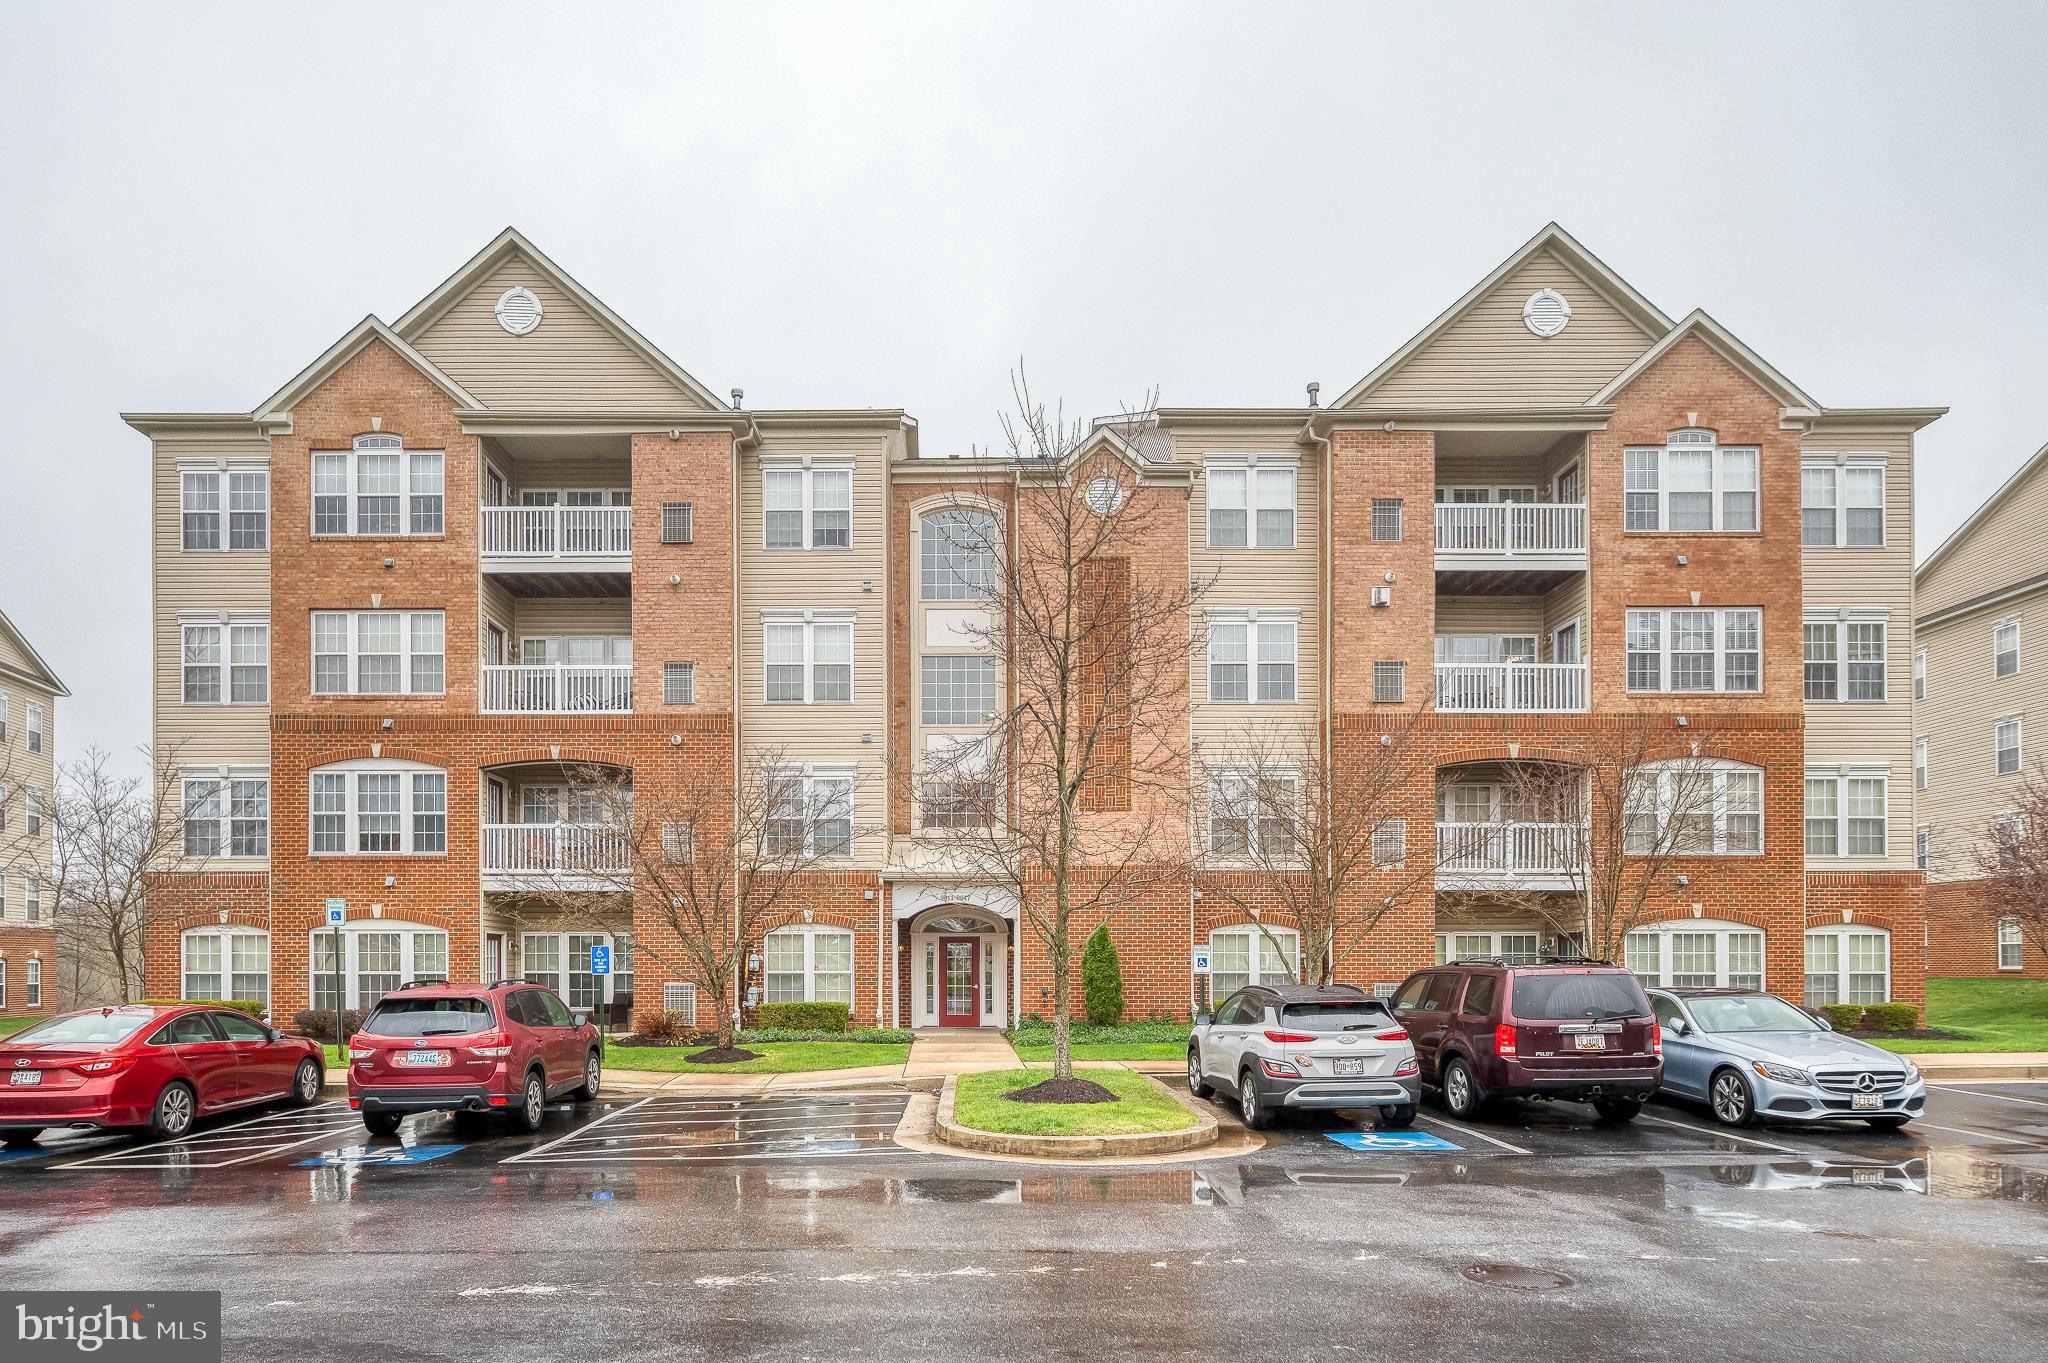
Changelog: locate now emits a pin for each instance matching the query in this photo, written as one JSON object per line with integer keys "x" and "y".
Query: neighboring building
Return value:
{"x": 1980, "y": 681}
{"x": 29, "y": 980}
{"x": 505, "y": 533}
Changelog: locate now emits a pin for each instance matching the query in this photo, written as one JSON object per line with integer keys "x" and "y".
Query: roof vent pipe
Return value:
{"x": 1314, "y": 389}
{"x": 739, "y": 398}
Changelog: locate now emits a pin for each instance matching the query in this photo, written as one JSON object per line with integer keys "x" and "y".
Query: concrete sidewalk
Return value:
{"x": 1965, "y": 1066}
{"x": 986, "y": 1051}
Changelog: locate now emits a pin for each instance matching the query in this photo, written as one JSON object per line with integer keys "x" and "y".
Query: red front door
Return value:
{"x": 959, "y": 982}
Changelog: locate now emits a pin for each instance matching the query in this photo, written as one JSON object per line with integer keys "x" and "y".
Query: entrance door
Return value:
{"x": 494, "y": 957}
{"x": 959, "y": 982}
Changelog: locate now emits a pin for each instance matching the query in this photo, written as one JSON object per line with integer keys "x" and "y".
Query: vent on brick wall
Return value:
{"x": 518, "y": 311}
{"x": 680, "y": 999}
{"x": 678, "y": 522}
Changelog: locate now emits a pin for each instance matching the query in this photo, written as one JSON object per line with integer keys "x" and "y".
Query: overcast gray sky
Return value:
{"x": 886, "y": 205}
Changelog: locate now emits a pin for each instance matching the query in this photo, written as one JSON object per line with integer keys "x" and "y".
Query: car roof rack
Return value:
{"x": 420, "y": 984}
{"x": 1511, "y": 961}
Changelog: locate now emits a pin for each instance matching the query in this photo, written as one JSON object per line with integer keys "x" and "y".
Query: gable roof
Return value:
{"x": 1984, "y": 513}
{"x": 342, "y": 351}
{"x": 1725, "y": 342}
{"x": 40, "y": 675}
{"x": 511, "y": 242}
{"x": 1575, "y": 257}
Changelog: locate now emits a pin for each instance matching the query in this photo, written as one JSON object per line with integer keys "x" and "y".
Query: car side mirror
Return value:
{"x": 1680, "y": 1027}
{"x": 1825, "y": 1025}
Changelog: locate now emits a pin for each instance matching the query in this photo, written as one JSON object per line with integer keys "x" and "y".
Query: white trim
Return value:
{"x": 352, "y": 652}
{"x": 811, "y": 933}
{"x": 2011, "y": 622}
{"x": 1720, "y": 616}
{"x": 1840, "y": 776}
{"x": 2019, "y": 760}
{"x": 1493, "y": 944}
{"x": 225, "y": 623}
{"x": 223, "y": 472}
{"x": 1841, "y": 933}
{"x": 1920, "y": 673}
{"x": 2010, "y": 935}
{"x": 1253, "y": 816}
{"x": 1253, "y": 619}
{"x": 807, "y": 467}
{"x": 1250, "y": 464}
{"x": 408, "y": 812}
{"x": 813, "y": 777}
{"x": 1258, "y": 936}
{"x": 1717, "y": 771}
{"x": 806, "y": 623}
{"x": 1717, "y": 491}
{"x": 374, "y": 444}
{"x": 225, "y": 779}
{"x": 1839, "y": 465}
{"x": 1837, "y": 623}
{"x": 225, "y": 932}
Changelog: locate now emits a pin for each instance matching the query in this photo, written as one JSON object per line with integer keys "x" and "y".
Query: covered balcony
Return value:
{"x": 1508, "y": 826}
{"x": 1510, "y": 656}
{"x": 557, "y": 689}
{"x": 557, "y": 517}
{"x": 554, "y": 827}
{"x": 1510, "y": 502}
{"x": 1511, "y": 688}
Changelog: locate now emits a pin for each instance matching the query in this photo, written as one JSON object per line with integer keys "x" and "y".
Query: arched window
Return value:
{"x": 957, "y": 554}
{"x": 1695, "y": 808}
{"x": 1697, "y": 953}
{"x": 1239, "y": 956}
{"x": 1848, "y": 964}
{"x": 377, "y": 955}
{"x": 225, "y": 962}
{"x": 806, "y": 964}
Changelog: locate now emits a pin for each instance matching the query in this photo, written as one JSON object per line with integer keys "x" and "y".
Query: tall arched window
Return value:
{"x": 1245, "y": 955}
{"x": 957, "y": 554}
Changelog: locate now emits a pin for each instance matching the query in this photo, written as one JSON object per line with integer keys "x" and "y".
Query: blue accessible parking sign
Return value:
{"x": 600, "y": 960}
{"x": 1388, "y": 1141}
{"x": 355, "y": 1156}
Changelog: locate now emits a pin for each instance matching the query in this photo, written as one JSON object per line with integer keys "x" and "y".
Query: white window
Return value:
{"x": 1848, "y": 965}
{"x": 1690, "y": 483}
{"x": 1487, "y": 946}
{"x": 1249, "y": 955}
{"x": 1919, "y": 674}
{"x": 679, "y": 683}
{"x": 1920, "y": 766}
{"x": 561, "y": 961}
{"x": 2005, "y": 647}
{"x": 378, "y": 808}
{"x": 32, "y": 723}
{"x": 1696, "y": 809}
{"x": 956, "y": 688}
{"x": 1252, "y": 657}
{"x": 227, "y": 813}
{"x": 32, "y": 896}
{"x": 32, "y": 809}
{"x": 956, "y": 555}
{"x": 226, "y": 963}
{"x": 1841, "y": 504}
{"x": 1251, "y": 504}
{"x": 378, "y": 653}
{"x": 808, "y": 965}
{"x": 226, "y": 661}
{"x": 1695, "y": 650}
{"x": 379, "y": 488}
{"x": 808, "y": 658}
{"x": 1251, "y": 814}
{"x": 224, "y": 505}
{"x": 806, "y": 505}
{"x": 2008, "y": 828}
{"x": 1921, "y": 838}
{"x": 1845, "y": 659}
{"x": 2011, "y": 946}
{"x": 1845, "y": 812}
{"x": 3, "y": 981}
{"x": 2005, "y": 744}
{"x": 34, "y": 985}
{"x": 1697, "y": 954}
{"x": 4, "y": 712}
{"x": 810, "y": 812}
{"x": 377, "y": 956}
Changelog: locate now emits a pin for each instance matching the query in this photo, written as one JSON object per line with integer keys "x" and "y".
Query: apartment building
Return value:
{"x": 505, "y": 535}
{"x": 1975, "y": 688}
{"x": 29, "y": 691}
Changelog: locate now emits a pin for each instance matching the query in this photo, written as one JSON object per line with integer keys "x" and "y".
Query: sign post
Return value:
{"x": 600, "y": 966}
{"x": 337, "y": 914}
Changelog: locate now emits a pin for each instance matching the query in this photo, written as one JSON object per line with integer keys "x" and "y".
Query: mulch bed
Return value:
{"x": 1922, "y": 1034}
{"x": 1061, "y": 1091}
{"x": 731, "y": 1055}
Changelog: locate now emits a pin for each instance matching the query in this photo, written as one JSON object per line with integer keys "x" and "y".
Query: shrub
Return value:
{"x": 255, "y": 1008}
{"x": 661, "y": 1027}
{"x": 1891, "y": 1017}
{"x": 318, "y": 1023}
{"x": 866, "y": 1036}
{"x": 805, "y": 1017}
{"x": 1843, "y": 1017}
{"x": 1102, "y": 979}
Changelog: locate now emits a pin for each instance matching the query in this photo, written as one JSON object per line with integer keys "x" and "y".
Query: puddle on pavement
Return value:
{"x": 1948, "y": 1174}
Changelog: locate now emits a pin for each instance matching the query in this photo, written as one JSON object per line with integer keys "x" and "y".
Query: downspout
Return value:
{"x": 750, "y": 440}
{"x": 1326, "y": 549}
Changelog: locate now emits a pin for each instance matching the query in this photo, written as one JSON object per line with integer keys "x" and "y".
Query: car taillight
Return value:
{"x": 111, "y": 1065}
{"x": 490, "y": 1050}
{"x": 1396, "y": 1035}
{"x": 1285, "y": 1038}
{"x": 1656, "y": 1040}
{"x": 1504, "y": 1039}
{"x": 1408, "y": 1066}
{"x": 361, "y": 1052}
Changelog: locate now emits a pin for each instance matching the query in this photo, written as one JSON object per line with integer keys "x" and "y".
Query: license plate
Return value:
{"x": 1858, "y": 1102}
{"x": 1346, "y": 1067}
{"x": 1591, "y": 1041}
{"x": 25, "y": 1077}
{"x": 420, "y": 1059}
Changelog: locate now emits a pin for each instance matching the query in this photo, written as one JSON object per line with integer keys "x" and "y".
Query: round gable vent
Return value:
{"x": 518, "y": 311}
{"x": 1104, "y": 494}
{"x": 1546, "y": 312}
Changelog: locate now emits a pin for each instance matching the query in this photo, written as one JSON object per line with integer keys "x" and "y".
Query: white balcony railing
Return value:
{"x": 1511, "y": 688}
{"x": 1507, "y": 528}
{"x": 1509, "y": 848}
{"x": 558, "y": 531}
{"x": 551, "y": 848}
{"x": 558, "y": 689}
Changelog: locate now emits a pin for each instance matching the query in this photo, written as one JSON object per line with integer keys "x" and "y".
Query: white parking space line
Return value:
{"x": 559, "y": 1140}
{"x": 751, "y": 1123}
{"x": 1725, "y": 1135}
{"x": 880, "y": 1149}
{"x": 1987, "y": 1137}
{"x": 2001, "y": 1097}
{"x": 1468, "y": 1131}
{"x": 214, "y": 1134}
{"x": 668, "y": 1129}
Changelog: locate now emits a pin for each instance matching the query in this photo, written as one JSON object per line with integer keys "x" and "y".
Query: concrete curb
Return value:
{"x": 1199, "y": 1136}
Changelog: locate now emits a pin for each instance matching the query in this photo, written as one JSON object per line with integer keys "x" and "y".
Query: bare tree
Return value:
{"x": 710, "y": 862}
{"x": 2012, "y": 858}
{"x": 1294, "y": 824}
{"x": 1075, "y": 794}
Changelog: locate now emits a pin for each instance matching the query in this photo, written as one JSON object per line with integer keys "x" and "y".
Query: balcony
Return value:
{"x": 557, "y": 689}
{"x": 1511, "y": 688}
{"x": 1496, "y": 856}
{"x": 557, "y": 855}
{"x": 557, "y": 539}
{"x": 1503, "y": 536}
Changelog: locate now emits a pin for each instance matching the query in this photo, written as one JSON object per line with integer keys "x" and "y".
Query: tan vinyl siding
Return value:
{"x": 13, "y": 655}
{"x": 571, "y": 362}
{"x": 823, "y": 580}
{"x": 19, "y": 770}
{"x": 1568, "y": 600}
{"x": 607, "y": 464}
{"x": 2009, "y": 546}
{"x": 1489, "y": 615}
{"x": 1866, "y": 733}
{"x": 544, "y": 615}
{"x": 1488, "y": 358}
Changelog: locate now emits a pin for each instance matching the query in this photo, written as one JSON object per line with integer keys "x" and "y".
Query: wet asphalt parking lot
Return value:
{"x": 793, "y": 1227}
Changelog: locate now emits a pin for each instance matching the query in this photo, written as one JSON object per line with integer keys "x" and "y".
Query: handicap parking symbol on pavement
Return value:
{"x": 1390, "y": 1140}
{"x": 356, "y": 1156}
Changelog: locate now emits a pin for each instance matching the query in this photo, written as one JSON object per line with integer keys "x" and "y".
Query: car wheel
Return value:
{"x": 306, "y": 1083}
{"x": 1197, "y": 1085}
{"x": 1887, "y": 1123}
{"x": 591, "y": 1074}
{"x": 382, "y": 1123}
{"x": 172, "y": 1116}
{"x": 1402, "y": 1115}
{"x": 533, "y": 1105}
{"x": 1461, "y": 1089}
{"x": 1251, "y": 1108}
{"x": 1728, "y": 1095}
{"x": 1618, "y": 1109}
{"x": 22, "y": 1137}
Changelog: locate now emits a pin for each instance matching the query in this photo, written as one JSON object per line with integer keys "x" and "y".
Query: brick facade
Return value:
{"x": 1962, "y": 936}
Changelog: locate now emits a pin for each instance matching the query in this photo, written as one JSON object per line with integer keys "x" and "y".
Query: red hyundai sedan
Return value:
{"x": 139, "y": 1065}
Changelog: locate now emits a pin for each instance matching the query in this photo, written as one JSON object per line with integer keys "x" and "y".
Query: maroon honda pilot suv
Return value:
{"x": 431, "y": 1046}
{"x": 1561, "y": 1027}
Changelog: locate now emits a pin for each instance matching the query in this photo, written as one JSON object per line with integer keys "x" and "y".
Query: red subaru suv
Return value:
{"x": 1561, "y": 1027}
{"x": 431, "y": 1046}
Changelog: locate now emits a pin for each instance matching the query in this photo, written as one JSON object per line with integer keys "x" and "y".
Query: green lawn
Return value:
{"x": 9, "y": 1026}
{"x": 1155, "y": 1040}
{"x": 1995, "y": 1015}
{"x": 777, "y": 1057}
{"x": 1143, "y": 1106}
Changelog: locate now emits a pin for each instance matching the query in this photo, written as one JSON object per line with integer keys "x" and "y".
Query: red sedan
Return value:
{"x": 143, "y": 1066}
